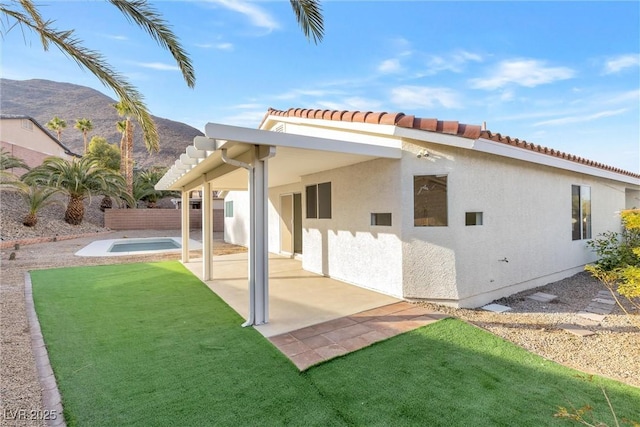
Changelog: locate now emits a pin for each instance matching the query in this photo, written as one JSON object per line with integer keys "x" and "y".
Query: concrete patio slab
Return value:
{"x": 297, "y": 298}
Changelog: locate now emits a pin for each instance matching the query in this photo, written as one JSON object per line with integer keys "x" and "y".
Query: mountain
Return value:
{"x": 44, "y": 99}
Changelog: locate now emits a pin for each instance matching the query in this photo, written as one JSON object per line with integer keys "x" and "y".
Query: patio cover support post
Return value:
{"x": 207, "y": 232}
{"x": 185, "y": 226}
{"x": 259, "y": 241}
{"x": 258, "y": 229}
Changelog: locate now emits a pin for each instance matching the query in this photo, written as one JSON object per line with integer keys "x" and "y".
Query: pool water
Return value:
{"x": 156, "y": 245}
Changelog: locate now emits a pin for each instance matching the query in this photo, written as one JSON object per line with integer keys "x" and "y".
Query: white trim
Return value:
{"x": 234, "y": 135}
{"x": 436, "y": 137}
{"x": 500, "y": 149}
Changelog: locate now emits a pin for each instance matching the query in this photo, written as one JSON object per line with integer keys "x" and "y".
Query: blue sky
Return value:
{"x": 565, "y": 75}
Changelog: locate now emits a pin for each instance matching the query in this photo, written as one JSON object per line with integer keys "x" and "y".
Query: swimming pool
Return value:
{"x": 148, "y": 245}
{"x": 138, "y": 246}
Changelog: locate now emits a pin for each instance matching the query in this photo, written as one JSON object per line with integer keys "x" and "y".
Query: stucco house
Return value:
{"x": 23, "y": 137}
{"x": 416, "y": 208}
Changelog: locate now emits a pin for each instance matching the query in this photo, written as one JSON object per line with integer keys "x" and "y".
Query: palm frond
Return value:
{"x": 34, "y": 13}
{"x": 309, "y": 16}
{"x": 147, "y": 18}
{"x": 78, "y": 178}
{"x": 9, "y": 161}
{"x": 96, "y": 64}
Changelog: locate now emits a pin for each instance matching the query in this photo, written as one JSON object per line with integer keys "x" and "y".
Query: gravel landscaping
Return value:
{"x": 613, "y": 351}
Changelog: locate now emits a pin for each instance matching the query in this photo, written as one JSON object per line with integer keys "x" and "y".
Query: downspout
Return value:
{"x": 234, "y": 162}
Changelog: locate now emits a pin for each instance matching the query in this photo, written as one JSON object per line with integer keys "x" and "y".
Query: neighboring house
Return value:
{"x": 26, "y": 139}
{"x": 420, "y": 209}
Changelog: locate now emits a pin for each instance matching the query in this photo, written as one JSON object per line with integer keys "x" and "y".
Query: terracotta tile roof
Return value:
{"x": 435, "y": 125}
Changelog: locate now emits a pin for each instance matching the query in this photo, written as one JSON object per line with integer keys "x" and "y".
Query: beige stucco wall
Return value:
{"x": 347, "y": 247}
{"x": 525, "y": 240}
{"x": 236, "y": 229}
{"x": 527, "y": 222}
{"x": 632, "y": 199}
{"x": 30, "y": 144}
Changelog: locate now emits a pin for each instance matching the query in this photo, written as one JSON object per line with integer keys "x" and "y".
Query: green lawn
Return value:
{"x": 149, "y": 344}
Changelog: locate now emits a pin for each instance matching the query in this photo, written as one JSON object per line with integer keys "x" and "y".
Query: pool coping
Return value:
{"x": 101, "y": 248}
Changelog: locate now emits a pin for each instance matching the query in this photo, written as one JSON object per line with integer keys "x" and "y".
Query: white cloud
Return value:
{"x": 581, "y": 118}
{"x": 255, "y": 14}
{"x": 632, "y": 96}
{"x": 507, "y": 95}
{"x": 351, "y": 104}
{"x": 219, "y": 46}
{"x": 117, "y": 37}
{"x": 158, "y": 66}
{"x": 454, "y": 62}
{"x": 249, "y": 118}
{"x": 619, "y": 63}
{"x": 390, "y": 66}
{"x": 360, "y": 103}
{"x": 424, "y": 97}
{"x": 299, "y": 93}
{"x": 523, "y": 72}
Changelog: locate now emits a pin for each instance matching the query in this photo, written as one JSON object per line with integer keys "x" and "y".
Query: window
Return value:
{"x": 228, "y": 209}
{"x": 580, "y": 212}
{"x": 319, "y": 200}
{"x": 27, "y": 124}
{"x": 381, "y": 219}
{"x": 430, "y": 201}
{"x": 473, "y": 218}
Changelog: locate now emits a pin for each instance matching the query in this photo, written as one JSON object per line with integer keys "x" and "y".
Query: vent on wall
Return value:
{"x": 279, "y": 128}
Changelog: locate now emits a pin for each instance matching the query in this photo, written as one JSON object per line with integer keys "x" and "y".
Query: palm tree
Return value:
{"x": 78, "y": 179}
{"x": 121, "y": 126}
{"x": 85, "y": 126}
{"x": 108, "y": 156}
{"x": 36, "y": 198}
{"x": 144, "y": 186}
{"x": 26, "y": 14}
{"x": 57, "y": 125}
{"x": 126, "y": 144}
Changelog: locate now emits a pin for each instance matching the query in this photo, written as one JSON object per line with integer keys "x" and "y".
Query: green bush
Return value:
{"x": 618, "y": 266}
